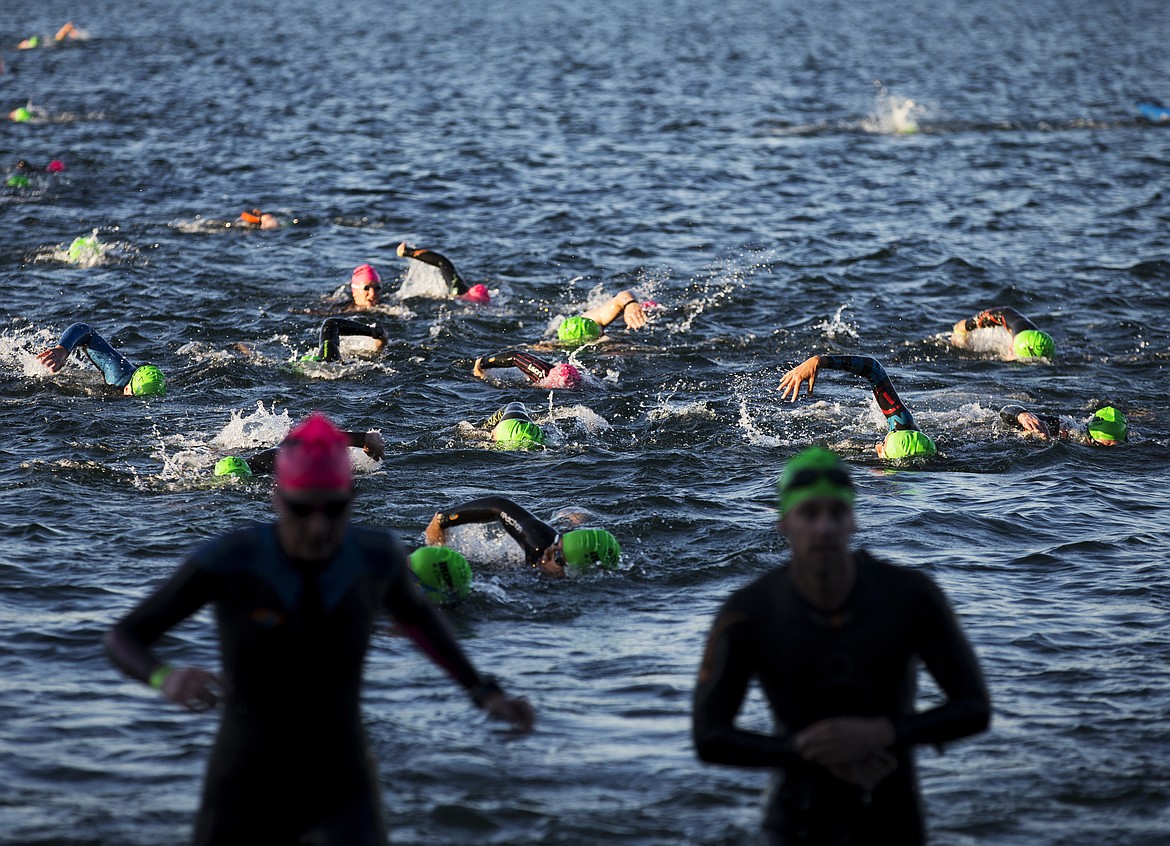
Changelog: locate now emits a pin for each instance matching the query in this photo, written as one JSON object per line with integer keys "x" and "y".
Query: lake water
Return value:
{"x": 749, "y": 167}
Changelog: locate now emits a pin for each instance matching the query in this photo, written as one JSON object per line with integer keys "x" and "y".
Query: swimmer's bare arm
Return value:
{"x": 624, "y": 305}
{"x": 791, "y": 381}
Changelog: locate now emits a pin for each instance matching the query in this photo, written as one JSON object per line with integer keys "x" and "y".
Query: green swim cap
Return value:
{"x": 1032, "y": 343}
{"x": 443, "y": 574}
{"x": 907, "y": 442}
{"x": 816, "y": 472}
{"x": 518, "y": 434}
{"x": 147, "y": 381}
{"x": 582, "y": 548}
{"x": 578, "y": 330}
{"x": 21, "y": 115}
{"x": 81, "y": 245}
{"x": 232, "y": 465}
{"x": 1108, "y": 424}
{"x": 18, "y": 180}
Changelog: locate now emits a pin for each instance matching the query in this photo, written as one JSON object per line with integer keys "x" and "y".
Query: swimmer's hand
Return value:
{"x": 633, "y": 315}
{"x": 854, "y": 749}
{"x": 434, "y": 532}
{"x": 193, "y": 688}
{"x": 791, "y": 381}
{"x": 478, "y": 368}
{"x": 53, "y": 358}
{"x": 374, "y": 446}
{"x": 1029, "y": 422}
{"x": 515, "y": 710}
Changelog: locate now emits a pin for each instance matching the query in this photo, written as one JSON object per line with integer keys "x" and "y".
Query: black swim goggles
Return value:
{"x": 812, "y": 475}
{"x": 331, "y": 508}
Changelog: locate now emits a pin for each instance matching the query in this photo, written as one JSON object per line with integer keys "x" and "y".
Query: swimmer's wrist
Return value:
{"x": 487, "y": 688}
{"x": 158, "y": 675}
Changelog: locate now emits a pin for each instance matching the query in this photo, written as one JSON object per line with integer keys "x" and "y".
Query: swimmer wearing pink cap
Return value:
{"x": 538, "y": 371}
{"x": 365, "y": 285}
{"x": 456, "y": 287}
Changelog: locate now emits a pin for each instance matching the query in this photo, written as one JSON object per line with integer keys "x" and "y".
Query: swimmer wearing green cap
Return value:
{"x": 512, "y": 428}
{"x": 904, "y": 439}
{"x": 588, "y": 326}
{"x": 1027, "y": 340}
{"x": 834, "y": 638}
{"x": 264, "y": 463}
{"x": 577, "y": 550}
{"x": 443, "y": 575}
{"x": 1107, "y": 427}
{"x": 116, "y": 369}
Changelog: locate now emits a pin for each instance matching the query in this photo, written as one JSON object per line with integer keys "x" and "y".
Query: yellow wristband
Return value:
{"x": 160, "y": 675}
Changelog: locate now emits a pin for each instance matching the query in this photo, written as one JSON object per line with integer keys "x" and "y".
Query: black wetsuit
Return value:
{"x": 334, "y": 327}
{"x": 1010, "y": 415}
{"x": 511, "y": 411}
{"x": 532, "y": 533}
{"x": 1004, "y": 316}
{"x": 291, "y": 759}
{"x": 534, "y": 368}
{"x": 860, "y": 661}
{"x": 264, "y": 463}
{"x": 455, "y": 283}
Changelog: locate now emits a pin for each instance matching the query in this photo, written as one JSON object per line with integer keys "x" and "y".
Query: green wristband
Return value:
{"x": 160, "y": 675}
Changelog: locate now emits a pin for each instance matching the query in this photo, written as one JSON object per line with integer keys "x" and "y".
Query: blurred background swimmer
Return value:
{"x": 456, "y": 286}
{"x": 264, "y": 463}
{"x": 1027, "y": 340}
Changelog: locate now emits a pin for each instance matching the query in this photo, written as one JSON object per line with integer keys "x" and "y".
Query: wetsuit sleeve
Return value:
{"x": 531, "y": 366}
{"x": 425, "y": 625}
{"x": 128, "y": 642}
{"x": 263, "y": 463}
{"x": 1004, "y": 316}
{"x": 724, "y": 675}
{"x": 951, "y": 661}
{"x": 897, "y": 415}
{"x": 526, "y": 528}
{"x": 450, "y": 275}
{"x": 491, "y": 422}
{"x": 115, "y": 368}
{"x": 335, "y": 327}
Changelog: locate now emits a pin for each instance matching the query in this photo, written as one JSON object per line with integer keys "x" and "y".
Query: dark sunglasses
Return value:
{"x": 811, "y": 475}
{"x": 371, "y": 287}
{"x": 332, "y": 509}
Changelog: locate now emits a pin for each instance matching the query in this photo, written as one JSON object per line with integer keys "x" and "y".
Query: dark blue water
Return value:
{"x": 746, "y": 165}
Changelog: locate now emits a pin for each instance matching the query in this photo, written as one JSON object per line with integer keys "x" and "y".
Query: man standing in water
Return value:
{"x": 834, "y": 639}
{"x": 295, "y": 604}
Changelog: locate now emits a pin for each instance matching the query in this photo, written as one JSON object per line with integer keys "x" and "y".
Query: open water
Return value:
{"x": 748, "y": 166}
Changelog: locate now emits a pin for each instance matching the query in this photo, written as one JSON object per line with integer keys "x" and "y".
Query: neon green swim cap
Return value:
{"x": 82, "y": 245}
{"x": 1032, "y": 343}
{"x": 21, "y": 115}
{"x": 443, "y": 574}
{"x": 816, "y": 472}
{"x": 904, "y": 443}
{"x": 518, "y": 434}
{"x": 578, "y": 330}
{"x": 18, "y": 180}
{"x": 1108, "y": 426}
{"x": 147, "y": 381}
{"x": 582, "y": 548}
{"x": 232, "y": 465}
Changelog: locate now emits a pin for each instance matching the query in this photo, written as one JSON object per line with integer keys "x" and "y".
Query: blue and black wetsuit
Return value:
{"x": 532, "y": 533}
{"x": 115, "y": 368}
{"x": 897, "y": 415}
{"x": 860, "y": 661}
{"x": 333, "y": 328}
{"x": 532, "y": 367}
{"x": 291, "y": 763}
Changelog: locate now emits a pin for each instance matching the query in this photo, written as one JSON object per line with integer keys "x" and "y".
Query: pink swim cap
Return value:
{"x": 55, "y": 166}
{"x": 364, "y": 275}
{"x": 314, "y": 456}
{"x": 477, "y": 294}
{"x": 562, "y": 376}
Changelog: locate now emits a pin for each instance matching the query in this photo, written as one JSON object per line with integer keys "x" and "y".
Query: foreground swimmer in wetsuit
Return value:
{"x": 538, "y": 371}
{"x": 1027, "y": 340}
{"x": 1107, "y": 427}
{"x": 118, "y": 372}
{"x": 577, "y": 550}
{"x": 834, "y": 638}
{"x": 296, "y": 602}
{"x": 903, "y": 438}
{"x": 456, "y": 287}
